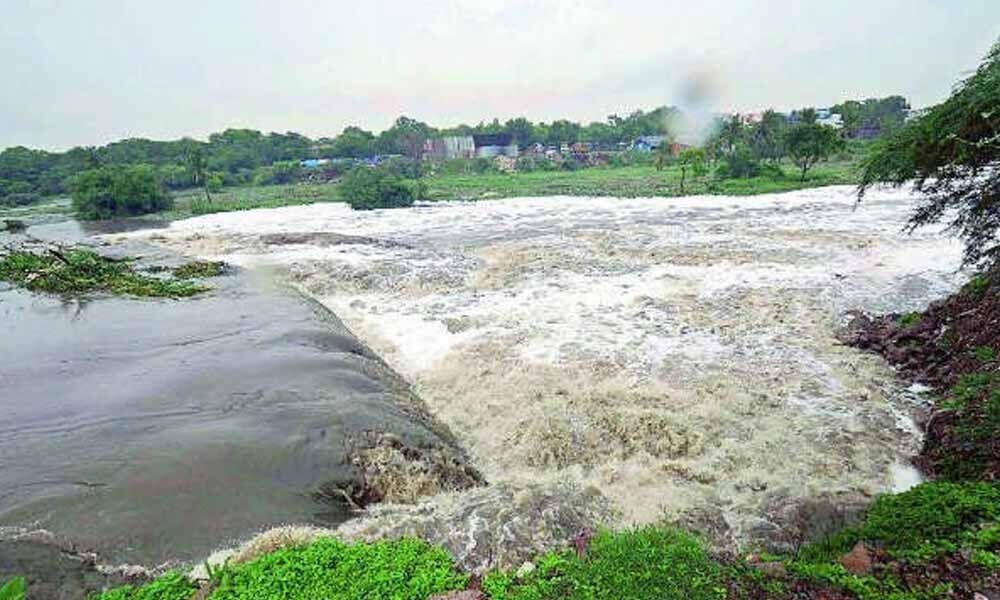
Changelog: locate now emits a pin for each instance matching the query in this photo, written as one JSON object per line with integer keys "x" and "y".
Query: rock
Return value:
{"x": 771, "y": 569}
{"x": 524, "y": 570}
{"x": 502, "y": 525}
{"x": 858, "y": 561}
{"x": 463, "y": 595}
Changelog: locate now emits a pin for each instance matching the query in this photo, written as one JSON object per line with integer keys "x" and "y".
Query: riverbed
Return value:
{"x": 679, "y": 355}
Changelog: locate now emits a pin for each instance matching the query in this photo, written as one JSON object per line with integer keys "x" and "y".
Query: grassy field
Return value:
{"x": 624, "y": 182}
{"x": 192, "y": 202}
{"x": 629, "y": 182}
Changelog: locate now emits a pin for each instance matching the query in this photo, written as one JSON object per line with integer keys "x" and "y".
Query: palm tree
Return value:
{"x": 196, "y": 165}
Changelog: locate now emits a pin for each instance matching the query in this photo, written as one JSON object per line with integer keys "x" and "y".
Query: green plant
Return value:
{"x": 985, "y": 354}
{"x": 81, "y": 271}
{"x": 108, "y": 192}
{"x": 931, "y": 518}
{"x": 170, "y": 586}
{"x": 367, "y": 188}
{"x": 15, "y": 589}
{"x": 199, "y": 269}
{"x": 644, "y": 564}
{"x": 406, "y": 569}
{"x": 909, "y": 319}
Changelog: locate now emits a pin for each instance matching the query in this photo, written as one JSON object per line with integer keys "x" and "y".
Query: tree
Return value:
{"x": 767, "y": 138}
{"x": 521, "y": 130}
{"x": 949, "y": 155}
{"x": 809, "y": 143}
{"x": 195, "y": 160}
{"x": 691, "y": 159}
{"x": 367, "y": 188}
{"x": 117, "y": 191}
{"x": 354, "y": 142}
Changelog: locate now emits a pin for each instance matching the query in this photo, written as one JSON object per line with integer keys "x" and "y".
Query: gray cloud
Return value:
{"x": 88, "y": 72}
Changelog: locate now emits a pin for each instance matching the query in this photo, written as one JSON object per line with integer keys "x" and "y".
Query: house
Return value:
{"x": 648, "y": 143}
{"x": 824, "y": 116}
{"x": 451, "y": 147}
{"x": 313, "y": 163}
{"x": 495, "y": 144}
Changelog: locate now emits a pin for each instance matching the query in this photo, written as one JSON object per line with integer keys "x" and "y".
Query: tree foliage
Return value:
{"x": 950, "y": 155}
{"x": 809, "y": 143}
{"x": 367, "y": 188}
{"x": 118, "y": 191}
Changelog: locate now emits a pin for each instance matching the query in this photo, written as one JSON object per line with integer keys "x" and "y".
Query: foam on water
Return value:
{"x": 676, "y": 353}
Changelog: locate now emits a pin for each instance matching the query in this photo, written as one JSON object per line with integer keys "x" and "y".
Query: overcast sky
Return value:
{"x": 86, "y": 72}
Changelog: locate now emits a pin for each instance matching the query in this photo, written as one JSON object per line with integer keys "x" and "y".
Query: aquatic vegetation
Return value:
{"x": 200, "y": 269}
{"x": 15, "y": 589}
{"x": 80, "y": 271}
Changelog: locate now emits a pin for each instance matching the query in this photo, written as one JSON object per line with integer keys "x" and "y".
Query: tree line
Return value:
{"x": 245, "y": 156}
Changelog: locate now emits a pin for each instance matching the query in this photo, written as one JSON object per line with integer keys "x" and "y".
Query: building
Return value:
{"x": 495, "y": 144}
{"x": 313, "y": 163}
{"x": 648, "y": 143}
{"x": 451, "y": 147}
{"x": 824, "y": 116}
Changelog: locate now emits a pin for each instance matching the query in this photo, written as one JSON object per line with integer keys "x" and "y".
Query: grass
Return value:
{"x": 192, "y": 202}
{"x": 631, "y": 181}
{"x": 936, "y": 521}
{"x": 645, "y": 564}
{"x": 15, "y": 589}
{"x": 77, "y": 272}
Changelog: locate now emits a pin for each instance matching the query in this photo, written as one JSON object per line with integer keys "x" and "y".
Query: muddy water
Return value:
{"x": 149, "y": 430}
{"x": 677, "y": 354}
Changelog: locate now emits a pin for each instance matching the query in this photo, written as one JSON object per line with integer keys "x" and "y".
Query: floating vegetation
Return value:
{"x": 14, "y": 225}
{"x": 75, "y": 272}
{"x": 200, "y": 269}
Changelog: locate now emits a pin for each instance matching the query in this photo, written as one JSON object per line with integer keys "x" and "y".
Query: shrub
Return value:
{"x": 407, "y": 569}
{"x": 171, "y": 586}
{"x": 367, "y": 188}
{"x": 117, "y": 191}
{"x": 644, "y": 564}
{"x": 21, "y": 199}
{"x": 400, "y": 166}
{"x": 739, "y": 164}
{"x": 931, "y": 518}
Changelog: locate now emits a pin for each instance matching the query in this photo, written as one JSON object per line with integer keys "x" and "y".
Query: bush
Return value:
{"x": 400, "y": 166}
{"x": 21, "y": 199}
{"x": 367, "y": 188}
{"x": 117, "y": 191}
{"x": 739, "y": 164}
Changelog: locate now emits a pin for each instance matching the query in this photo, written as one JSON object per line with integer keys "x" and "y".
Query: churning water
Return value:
{"x": 677, "y": 354}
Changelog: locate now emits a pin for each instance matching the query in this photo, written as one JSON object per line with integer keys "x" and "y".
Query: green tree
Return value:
{"x": 767, "y": 138}
{"x": 117, "y": 191}
{"x": 949, "y": 156}
{"x": 366, "y": 188}
{"x": 195, "y": 160}
{"x": 354, "y": 142}
{"x": 521, "y": 130}
{"x": 809, "y": 143}
{"x": 693, "y": 160}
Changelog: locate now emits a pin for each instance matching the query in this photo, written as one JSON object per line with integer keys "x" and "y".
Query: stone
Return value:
{"x": 771, "y": 569}
{"x": 858, "y": 561}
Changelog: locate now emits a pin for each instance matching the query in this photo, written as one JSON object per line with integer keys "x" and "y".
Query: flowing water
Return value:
{"x": 676, "y": 354}
{"x": 153, "y": 430}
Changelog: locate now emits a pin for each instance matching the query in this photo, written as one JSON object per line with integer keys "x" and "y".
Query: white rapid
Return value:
{"x": 677, "y": 354}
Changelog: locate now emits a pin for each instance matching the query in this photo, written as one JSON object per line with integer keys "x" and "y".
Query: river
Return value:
{"x": 678, "y": 355}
